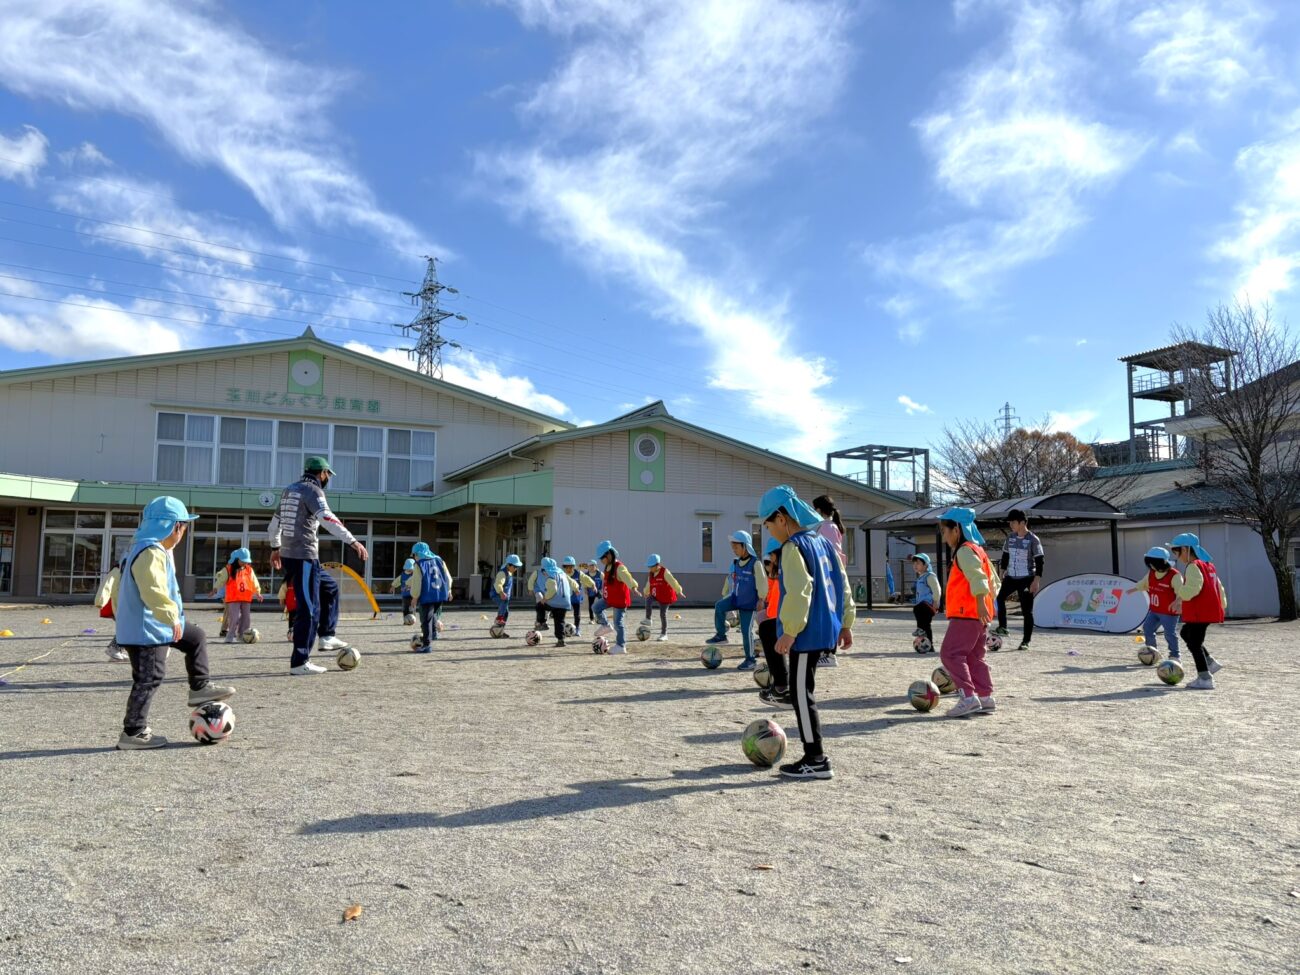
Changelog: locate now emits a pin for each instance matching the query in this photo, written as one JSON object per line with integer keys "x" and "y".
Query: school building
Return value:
{"x": 83, "y": 446}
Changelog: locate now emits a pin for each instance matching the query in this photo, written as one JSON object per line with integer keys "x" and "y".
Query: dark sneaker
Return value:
{"x": 716, "y": 639}
{"x": 560, "y": 643}
{"x": 209, "y": 692}
{"x": 1001, "y": 631}
{"x": 1023, "y": 646}
{"x": 806, "y": 769}
{"x": 747, "y": 665}
{"x": 425, "y": 649}
{"x": 141, "y": 741}
{"x": 770, "y": 695}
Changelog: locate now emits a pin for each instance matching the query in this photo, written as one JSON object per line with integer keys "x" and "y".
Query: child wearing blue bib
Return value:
{"x": 741, "y": 594}
{"x": 431, "y": 588}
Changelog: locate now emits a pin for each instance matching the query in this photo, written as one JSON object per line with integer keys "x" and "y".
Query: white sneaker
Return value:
{"x": 1203, "y": 683}
{"x": 967, "y": 704}
{"x": 605, "y": 630}
{"x": 116, "y": 653}
{"x": 330, "y": 643}
{"x": 617, "y": 648}
{"x": 988, "y": 705}
{"x": 230, "y": 638}
{"x": 1215, "y": 666}
{"x": 662, "y": 638}
{"x": 307, "y": 668}
{"x": 828, "y": 660}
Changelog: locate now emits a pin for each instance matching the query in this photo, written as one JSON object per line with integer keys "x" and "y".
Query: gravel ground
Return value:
{"x": 499, "y": 808}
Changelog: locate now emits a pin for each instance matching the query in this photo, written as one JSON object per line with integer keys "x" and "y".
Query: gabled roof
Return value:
{"x": 656, "y": 414}
{"x": 307, "y": 340}
{"x": 1178, "y": 356}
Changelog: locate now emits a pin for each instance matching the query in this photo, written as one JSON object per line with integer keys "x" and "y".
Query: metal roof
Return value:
{"x": 1065, "y": 507}
{"x": 1178, "y": 356}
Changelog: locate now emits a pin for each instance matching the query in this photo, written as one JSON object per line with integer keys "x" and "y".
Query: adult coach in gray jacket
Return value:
{"x": 296, "y": 552}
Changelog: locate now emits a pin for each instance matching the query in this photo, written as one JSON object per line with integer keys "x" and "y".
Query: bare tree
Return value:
{"x": 1248, "y": 444}
{"x": 977, "y": 463}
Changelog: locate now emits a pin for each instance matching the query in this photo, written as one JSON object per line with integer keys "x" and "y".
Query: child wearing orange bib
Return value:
{"x": 241, "y": 587}
{"x": 969, "y": 609}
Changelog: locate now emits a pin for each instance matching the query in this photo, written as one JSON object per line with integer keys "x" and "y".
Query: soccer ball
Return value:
{"x": 417, "y": 642}
{"x": 600, "y": 645}
{"x": 711, "y": 657}
{"x": 497, "y": 630}
{"x": 408, "y": 619}
{"x": 348, "y": 658}
{"x": 1170, "y": 671}
{"x": 733, "y": 620}
{"x": 570, "y": 629}
{"x": 921, "y": 643}
{"x": 923, "y": 695}
{"x": 763, "y": 742}
{"x": 212, "y": 722}
{"x": 762, "y": 675}
{"x": 643, "y": 630}
{"x": 1148, "y": 655}
{"x": 943, "y": 681}
{"x": 532, "y": 638}
{"x": 250, "y": 636}
{"x": 992, "y": 642}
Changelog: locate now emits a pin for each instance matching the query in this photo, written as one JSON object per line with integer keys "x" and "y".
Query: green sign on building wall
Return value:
{"x": 645, "y": 462}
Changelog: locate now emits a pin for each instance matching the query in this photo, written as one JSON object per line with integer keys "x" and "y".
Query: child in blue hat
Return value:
{"x": 1158, "y": 584}
{"x": 663, "y": 588}
{"x": 925, "y": 605}
{"x": 740, "y": 593}
{"x": 151, "y": 620}
{"x": 557, "y": 596}
{"x": 431, "y": 590}
{"x": 579, "y": 583}
{"x": 816, "y": 614}
{"x": 503, "y": 587}
{"x": 240, "y": 587}
{"x": 1202, "y": 602}
{"x": 402, "y": 583}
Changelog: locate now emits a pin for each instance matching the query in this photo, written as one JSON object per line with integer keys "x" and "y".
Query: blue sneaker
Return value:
{"x": 425, "y": 649}
{"x": 716, "y": 639}
{"x": 748, "y": 664}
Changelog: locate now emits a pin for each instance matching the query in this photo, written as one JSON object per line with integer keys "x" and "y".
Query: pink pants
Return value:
{"x": 962, "y": 654}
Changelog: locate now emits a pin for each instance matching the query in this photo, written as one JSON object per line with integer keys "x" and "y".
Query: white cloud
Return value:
{"x": 912, "y": 406}
{"x": 468, "y": 370}
{"x": 1191, "y": 50}
{"x": 911, "y": 332}
{"x": 217, "y": 95}
{"x": 659, "y": 109}
{"x": 1185, "y": 142}
{"x": 1265, "y": 242}
{"x": 1014, "y": 146}
{"x": 87, "y": 155}
{"x": 23, "y": 155}
{"x": 1059, "y": 421}
{"x": 80, "y": 332}
{"x": 1080, "y": 342}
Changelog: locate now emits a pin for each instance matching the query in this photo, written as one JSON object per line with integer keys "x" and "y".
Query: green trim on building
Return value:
{"x": 535, "y": 489}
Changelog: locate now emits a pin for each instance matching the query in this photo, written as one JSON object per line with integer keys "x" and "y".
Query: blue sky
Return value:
{"x": 807, "y": 224}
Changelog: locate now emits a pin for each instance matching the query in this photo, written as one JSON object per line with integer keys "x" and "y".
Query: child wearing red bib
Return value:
{"x": 1202, "y": 601}
{"x": 1158, "y": 584}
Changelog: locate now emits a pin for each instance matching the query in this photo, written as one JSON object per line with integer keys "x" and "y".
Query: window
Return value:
{"x": 77, "y": 548}
{"x": 357, "y": 458}
{"x": 245, "y": 456}
{"x": 391, "y": 543}
{"x": 706, "y": 541}
{"x": 185, "y": 448}
{"x": 410, "y": 461}
{"x": 850, "y": 546}
{"x": 8, "y": 517}
{"x": 756, "y": 532}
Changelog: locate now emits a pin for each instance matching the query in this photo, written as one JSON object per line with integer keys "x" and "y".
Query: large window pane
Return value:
{"x": 199, "y": 428}
{"x": 399, "y": 442}
{"x": 126, "y": 519}
{"x": 87, "y": 554}
{"x": 198, "y": 465}
{"x": 345, "y": 472}
{"x": 368, "y": 474}
{"x": 422, "y": 442}
{"x": 290, "y": 434}
{"x": 90, "y": 519}
{"x": 399, "y": 476}
{"x": 422, "y": 475}
{"x": 258, "y": 432}
{"x": 257, "y": 468}
{"x": 171, "y": 463}
{"x": 232, "y": 430}
{"x": 231, "y": 469}
{"x": 58, "y": 554}
{"x": 171, "y": 426}
{"x": 288, "y": 467}
{"x": 60, "y": 519}
{"x": 706, "y": 541}
{"x": 384, "y": 565}
{"x": 345, "y": 438}
{"x": 387, "y": 529}
{"x": 316, "y": 436}
{"x": 371, "y": 440}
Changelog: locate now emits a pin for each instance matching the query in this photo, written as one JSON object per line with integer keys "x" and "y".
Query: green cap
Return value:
{"x": 317, "y": 465}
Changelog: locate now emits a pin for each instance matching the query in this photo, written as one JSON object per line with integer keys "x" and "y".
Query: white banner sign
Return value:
{"x": 1091, "y": 602}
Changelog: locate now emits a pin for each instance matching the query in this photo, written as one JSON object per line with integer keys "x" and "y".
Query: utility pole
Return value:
{"x": 1007, "y": 416}
{"x": 429, "y": 343}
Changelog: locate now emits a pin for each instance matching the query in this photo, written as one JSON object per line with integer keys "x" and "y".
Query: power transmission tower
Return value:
{"x": 429, "y": 343}
{"x": 1007, "y": 415}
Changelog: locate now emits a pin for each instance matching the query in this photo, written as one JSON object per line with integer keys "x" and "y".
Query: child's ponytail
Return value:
{"x": 826, "y": 508}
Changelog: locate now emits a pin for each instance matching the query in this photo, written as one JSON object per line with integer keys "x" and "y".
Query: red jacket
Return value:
{"x": 1207, "y": 605}
{"x": 659, "y": 588}
{"x": 617, "y": 593}
{"x": 1161, "y": 592}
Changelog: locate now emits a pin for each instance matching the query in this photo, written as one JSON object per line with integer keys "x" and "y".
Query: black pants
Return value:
{"x": 557, "y": 619}
{"x": 924, "y": 618}
{"x": 406, "y": 603}
{"x": 149, "y": 667}
{"x": 317, "y": 597}
{"x": 775, "y": 662}
{"x": 803, "y": 682}
{"x": 1193, "y": 635}
{"x": 540, "y": 623}
{"x": 650, "y": 604}
{"x": 1021, "y": 585}
{"x": 430, "y": 613}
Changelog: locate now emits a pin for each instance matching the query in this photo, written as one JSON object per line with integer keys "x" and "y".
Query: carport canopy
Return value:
{"x": 1069, "y": 508}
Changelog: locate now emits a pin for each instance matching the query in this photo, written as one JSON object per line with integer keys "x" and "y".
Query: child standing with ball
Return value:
{"x": 816, "y": 614}
{"x": 431, "y": 586}
{"x": 928, "y": 593}
{"x": 579, "y": 583}
{"x": 402, "y": 583}
{"x": 662, "y": 588}
{"x": 1158, "y": 584}
{"x": 241, "y": 586}
{"x": 969, "y": 610}
{"x": 740, "y": 592}
{"x": 503, "y": 587}
{"x": 618, "y": 589}
{"x": 1202, "y": 601}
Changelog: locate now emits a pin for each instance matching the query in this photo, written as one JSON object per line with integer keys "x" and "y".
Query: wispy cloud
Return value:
{"x": 468, "y": 370}
{"x": 1190, "y": 50}
{"x": 1016, "y": 148}
{"x": 1060, "y": 421}
{"x": 217, "y": 95}
{"x": 912, "y": 406}
{"x": 23, "y": 155}
{"x": 91, "y": 328}
{"x": 1080, "y": 342}
{"x": 86, "y": 155}
{"x": 659, "y": 109}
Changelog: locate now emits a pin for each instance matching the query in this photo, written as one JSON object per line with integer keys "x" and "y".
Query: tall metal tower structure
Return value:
{"x": 427, "y": 325}
{"x": 1007, "y": 417}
